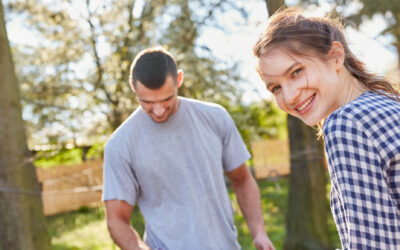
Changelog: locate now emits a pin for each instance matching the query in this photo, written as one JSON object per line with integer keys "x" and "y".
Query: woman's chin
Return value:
{"x": 309, "y": 122}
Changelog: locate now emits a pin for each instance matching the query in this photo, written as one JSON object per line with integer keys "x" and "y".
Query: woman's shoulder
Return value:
{"x": 370, "y": 109}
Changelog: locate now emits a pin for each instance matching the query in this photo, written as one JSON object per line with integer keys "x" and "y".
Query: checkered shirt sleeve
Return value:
{"x": 363, "y": 152}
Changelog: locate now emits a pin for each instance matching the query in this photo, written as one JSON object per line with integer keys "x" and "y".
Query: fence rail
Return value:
{"x": 67, "y": 188}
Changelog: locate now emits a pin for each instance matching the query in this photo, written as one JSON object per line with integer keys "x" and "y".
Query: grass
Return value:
{"x": 86, "y": 229}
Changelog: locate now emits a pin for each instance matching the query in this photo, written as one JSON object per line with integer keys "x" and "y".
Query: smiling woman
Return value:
{"x": 308, "y": 67}
{"x": 302, "y": 87}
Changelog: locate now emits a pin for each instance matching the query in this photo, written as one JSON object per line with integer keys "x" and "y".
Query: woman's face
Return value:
{"x": 305, "y": 87}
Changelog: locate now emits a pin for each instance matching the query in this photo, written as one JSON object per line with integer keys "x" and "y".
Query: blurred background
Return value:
{"x": 70, "y": 61}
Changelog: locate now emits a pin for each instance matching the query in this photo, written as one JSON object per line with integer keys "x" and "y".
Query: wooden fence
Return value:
{"x": 67, "y": 188}
{"x": 271, "y": 158}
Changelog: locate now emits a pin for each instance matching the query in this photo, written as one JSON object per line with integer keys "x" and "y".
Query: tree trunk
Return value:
{"x": 306, "y": 220}
{"x": 21, "y": 214}
{"x": 274, "y": 5}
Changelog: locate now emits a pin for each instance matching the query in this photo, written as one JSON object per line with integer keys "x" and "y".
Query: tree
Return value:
{"x": 80, "y": 68}
{"x": 259, "y": 120}
{"x": 21, "y": 215}
{"x": 306, "y": 220}
{"x": 367, "y": 9}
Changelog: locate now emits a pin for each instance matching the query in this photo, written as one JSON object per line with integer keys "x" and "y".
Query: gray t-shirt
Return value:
{"x": 174, "y": 172}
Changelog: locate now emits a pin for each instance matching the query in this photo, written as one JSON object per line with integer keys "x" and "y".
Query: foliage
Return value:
{"x": 52, "y": 158}
{"x": 357, "y": 12}
{"x": 74, "y": 77}
{"x": 96, "y": 151}
{"x": 74, "y": 73}
{"x": 388, "y": 9}
{"x": 365, "y": 9}
{"x": 64, "y": 156}
{"x": 259, "y": 120}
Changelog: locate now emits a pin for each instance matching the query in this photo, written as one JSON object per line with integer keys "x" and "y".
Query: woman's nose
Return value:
{"x": 290, "y": 95}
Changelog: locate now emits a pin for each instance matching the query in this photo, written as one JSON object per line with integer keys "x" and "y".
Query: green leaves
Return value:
{"x": 74, "y": 77}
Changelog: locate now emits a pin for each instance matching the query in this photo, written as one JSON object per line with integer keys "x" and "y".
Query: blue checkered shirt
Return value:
{"x": 362, "y": 144}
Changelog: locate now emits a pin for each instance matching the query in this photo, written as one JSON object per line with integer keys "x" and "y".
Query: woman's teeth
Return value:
{"x": 305, "y": 104}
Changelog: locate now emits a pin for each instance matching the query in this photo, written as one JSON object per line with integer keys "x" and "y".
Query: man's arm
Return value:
{"x": 118, "y": 221}
{"x": 248, "y": 197}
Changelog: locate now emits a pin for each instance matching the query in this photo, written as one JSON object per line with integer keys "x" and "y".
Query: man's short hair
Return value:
{"x": 152, "y": 66}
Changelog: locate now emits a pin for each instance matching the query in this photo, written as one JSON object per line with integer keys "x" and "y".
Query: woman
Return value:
{"x": 307, "y": 65}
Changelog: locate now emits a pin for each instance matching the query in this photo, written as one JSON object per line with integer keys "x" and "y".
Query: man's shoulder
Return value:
{"x": 202, "y": 105}
{"x": 210, "y": 114}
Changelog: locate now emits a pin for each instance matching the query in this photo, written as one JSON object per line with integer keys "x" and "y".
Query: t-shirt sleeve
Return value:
{"x": 119, "y": 180}
{"x": 235, "y": 152}
{"x": 364, "y": 211}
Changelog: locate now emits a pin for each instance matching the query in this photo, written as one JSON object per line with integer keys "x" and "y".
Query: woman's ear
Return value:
{"x": 337, "y": 55}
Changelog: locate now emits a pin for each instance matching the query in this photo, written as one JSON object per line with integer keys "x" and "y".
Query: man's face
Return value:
{"x": 160, "y": 103}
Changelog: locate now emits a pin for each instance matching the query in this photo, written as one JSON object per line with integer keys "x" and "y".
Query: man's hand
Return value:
{"x": 143, "y": 246}
{"x": 262, "y": 242}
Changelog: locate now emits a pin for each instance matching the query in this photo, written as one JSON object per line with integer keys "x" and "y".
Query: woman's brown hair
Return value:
{"x": 304, "y": 35}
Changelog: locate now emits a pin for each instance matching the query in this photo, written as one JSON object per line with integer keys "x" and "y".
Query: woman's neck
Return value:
{"x": 350, "y": 88}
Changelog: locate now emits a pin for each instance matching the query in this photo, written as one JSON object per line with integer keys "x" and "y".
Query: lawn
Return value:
{"x": 86, "y": 229}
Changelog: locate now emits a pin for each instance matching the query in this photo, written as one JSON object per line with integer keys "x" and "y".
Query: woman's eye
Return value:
{"x": 275, "y": 89}
{"x": 296, "y": 72}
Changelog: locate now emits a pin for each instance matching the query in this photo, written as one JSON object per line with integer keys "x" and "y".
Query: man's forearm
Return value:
{"x": 248, "y": 197}
{"x": 125, "y": 236}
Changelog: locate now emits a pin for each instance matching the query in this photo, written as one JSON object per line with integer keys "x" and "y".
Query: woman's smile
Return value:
{"x": 305, "y": 106}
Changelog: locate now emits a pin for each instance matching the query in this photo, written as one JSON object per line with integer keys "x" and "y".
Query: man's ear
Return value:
{"x": 131, "y": 84}
{"x": 337, "y": 54}
{"x": 179, "y": 78}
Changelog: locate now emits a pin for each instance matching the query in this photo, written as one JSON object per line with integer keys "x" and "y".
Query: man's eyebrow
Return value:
{"x": 166, "y": 99}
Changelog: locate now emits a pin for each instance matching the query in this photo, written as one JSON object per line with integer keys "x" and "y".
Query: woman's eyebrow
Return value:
{"x": 286, "y": 71}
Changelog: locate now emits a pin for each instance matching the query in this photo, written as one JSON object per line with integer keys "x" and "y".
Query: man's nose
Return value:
{"x": 158, "y": 109}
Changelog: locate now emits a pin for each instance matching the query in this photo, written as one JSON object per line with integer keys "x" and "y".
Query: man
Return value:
{"x": 169, "y": 158}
